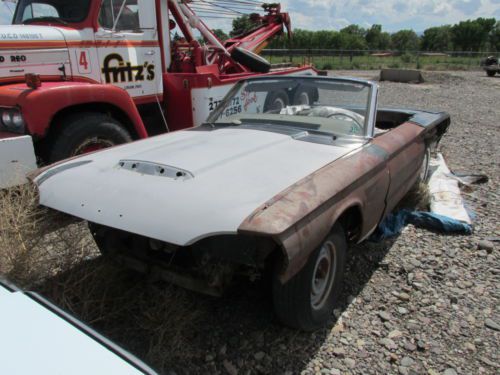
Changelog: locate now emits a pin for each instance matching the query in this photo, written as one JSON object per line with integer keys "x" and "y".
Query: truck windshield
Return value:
{"x": 59, "y": 11}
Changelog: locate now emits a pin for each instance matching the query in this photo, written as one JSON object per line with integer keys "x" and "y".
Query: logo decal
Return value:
{"x": 116, "y": 70}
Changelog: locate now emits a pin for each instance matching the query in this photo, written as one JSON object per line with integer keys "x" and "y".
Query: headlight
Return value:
{"x": 7, "y": 118}
{"x": 13, "y": 120}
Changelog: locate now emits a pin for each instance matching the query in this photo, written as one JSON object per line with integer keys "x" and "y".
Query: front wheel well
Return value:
{"x": 351, "y": 220}
{"x": 103, "y": 108}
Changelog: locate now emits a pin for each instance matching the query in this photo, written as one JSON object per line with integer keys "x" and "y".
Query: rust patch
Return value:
{"x": 301, "y": 216}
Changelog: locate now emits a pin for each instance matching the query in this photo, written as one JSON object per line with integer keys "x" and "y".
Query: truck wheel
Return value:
{"x": 304, "y": 96}
{"x": 87, "y": 132}
{"x": 276, "y": 101}
{"x": 251, "y": 60}
{"x": 306, "y": 301}
{"x": 491, "y": 73}
{"x": 301, "y": 97}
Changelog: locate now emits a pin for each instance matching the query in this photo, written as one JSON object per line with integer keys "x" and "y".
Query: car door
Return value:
{"x": 128, "y": 47}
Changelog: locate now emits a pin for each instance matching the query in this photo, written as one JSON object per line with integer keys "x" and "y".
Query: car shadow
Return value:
{"x": 177, "y": 331}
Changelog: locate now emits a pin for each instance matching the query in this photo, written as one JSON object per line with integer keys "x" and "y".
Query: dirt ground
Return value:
{"x": 421, "y": 303}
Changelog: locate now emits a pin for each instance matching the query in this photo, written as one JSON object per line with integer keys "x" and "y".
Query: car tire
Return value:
{"x": 87, "y": 132}
{"x": 306, "y": 301}
{"x": 302, "y": 96}
{"x": 251, "y": 60}
{"x": 276, "y": 101}
{"x": 491, "y": 73}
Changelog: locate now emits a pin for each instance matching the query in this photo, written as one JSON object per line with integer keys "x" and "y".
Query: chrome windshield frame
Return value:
{"x": 371, "y": 108}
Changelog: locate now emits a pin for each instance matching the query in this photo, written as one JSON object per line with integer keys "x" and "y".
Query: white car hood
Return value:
{"x": 35, "y": 340}
{"x": 228, "y": 173}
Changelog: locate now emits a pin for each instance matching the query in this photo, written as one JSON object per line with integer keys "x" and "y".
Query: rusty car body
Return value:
{"x": 282, "y": 176}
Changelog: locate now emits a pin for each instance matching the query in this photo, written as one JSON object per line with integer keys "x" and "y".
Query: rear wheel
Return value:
{"x": 307, "y": 300}
{"x": 87, "y": 132}
{"x": 304, "y": 96}
{"x": 276, "y": 101}
{"x": 490, "y": 73}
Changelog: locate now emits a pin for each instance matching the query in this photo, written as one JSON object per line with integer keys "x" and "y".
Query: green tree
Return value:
{"x": 377, "y": 39}
{"x": 352, "y": 37}
{"x": 241, "y": 25}
{"x": 220, "y": 34}
{"x": 354, "y": 30}
{"x": 495, "y": 37}
{"x": 472, "y": 35}
{"x": 437, "y": 39}
{"x": 405, "y": 40}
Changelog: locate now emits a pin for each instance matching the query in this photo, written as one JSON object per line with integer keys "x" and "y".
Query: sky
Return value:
{"x": 393, "y": 15}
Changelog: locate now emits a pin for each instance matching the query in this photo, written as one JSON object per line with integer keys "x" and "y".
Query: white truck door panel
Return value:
{"x": 128, "y": 48}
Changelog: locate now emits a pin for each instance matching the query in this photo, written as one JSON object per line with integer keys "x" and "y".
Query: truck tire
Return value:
{"x": 304, "y": 96}
{"x": 306, "y": 301}
{"x": 276, "y": 101}
{"x": 87, "y": 132}
{"x": 491, "y": 73}
{"x": 251, "y": 60}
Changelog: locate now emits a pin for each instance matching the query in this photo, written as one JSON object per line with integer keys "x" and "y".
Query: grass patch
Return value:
{"x": 153, "y": 321}
{"x": 418, "y": 198}
{"x": 369, "y": 62}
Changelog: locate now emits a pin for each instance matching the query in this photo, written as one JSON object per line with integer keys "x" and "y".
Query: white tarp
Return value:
{"x": 445, "y": 192}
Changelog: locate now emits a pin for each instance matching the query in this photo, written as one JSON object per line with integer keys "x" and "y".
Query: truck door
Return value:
{"x": 128, "y": 47}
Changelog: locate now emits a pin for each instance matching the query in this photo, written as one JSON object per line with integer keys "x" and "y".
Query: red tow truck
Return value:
{"x": 80, "y": 75}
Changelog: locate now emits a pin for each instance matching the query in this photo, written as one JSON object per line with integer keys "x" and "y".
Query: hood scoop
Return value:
{"x": 154, "y": 169}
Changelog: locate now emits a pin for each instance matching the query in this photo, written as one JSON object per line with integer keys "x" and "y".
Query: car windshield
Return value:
{"x": 334, "y": 106}
{"x": 61, "y": 11}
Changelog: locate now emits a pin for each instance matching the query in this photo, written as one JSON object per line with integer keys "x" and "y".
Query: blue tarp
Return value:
{"x": 394, "y": 223}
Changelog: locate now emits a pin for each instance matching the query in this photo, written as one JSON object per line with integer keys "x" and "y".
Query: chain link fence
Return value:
{"x": 328, "y": 59}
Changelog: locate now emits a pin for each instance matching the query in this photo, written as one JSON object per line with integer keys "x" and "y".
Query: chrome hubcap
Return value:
{"x": 323, "y": 275}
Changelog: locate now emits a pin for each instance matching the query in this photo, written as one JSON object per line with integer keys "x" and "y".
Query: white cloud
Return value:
{"x": 392, "y": 14}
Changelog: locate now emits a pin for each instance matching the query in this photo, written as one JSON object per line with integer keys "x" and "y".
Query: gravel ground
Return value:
{"x": 421, "y": 303}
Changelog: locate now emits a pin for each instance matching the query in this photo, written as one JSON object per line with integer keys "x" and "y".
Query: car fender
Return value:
{"x": 300, "y": 217}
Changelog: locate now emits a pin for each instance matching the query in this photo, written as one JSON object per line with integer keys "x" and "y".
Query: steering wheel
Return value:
{"x": 356, "y": 122}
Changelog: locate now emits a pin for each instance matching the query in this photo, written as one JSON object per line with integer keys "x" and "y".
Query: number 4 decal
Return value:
{"x": 83, "y": 58}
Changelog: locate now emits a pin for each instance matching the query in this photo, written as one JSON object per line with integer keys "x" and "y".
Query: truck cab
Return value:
{"x": 87, "y": 74}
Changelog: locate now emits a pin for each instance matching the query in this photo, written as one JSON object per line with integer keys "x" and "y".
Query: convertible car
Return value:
{"x": 284, "y": 174}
